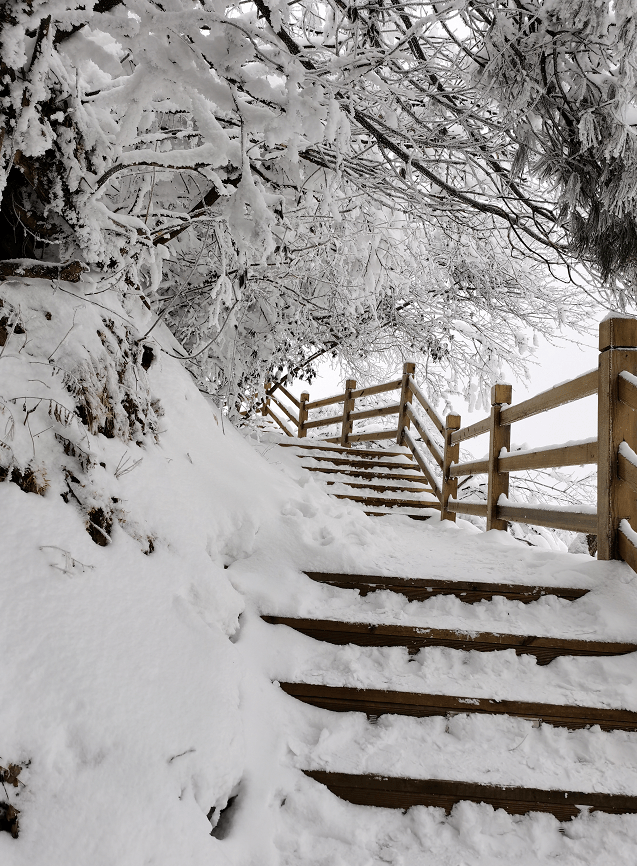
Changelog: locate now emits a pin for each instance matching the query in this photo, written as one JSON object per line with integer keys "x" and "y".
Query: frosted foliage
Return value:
{"x": 281, "y": 181}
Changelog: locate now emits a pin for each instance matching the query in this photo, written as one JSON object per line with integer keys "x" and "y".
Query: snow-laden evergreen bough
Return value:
{"x": 281, "y": 181}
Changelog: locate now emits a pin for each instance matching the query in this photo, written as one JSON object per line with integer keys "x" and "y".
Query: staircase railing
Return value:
{"x": 614, "y": 452}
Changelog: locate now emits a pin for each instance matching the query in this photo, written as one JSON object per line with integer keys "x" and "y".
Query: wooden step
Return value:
{"x": 359, "y": 464}
{"x": 376, "y": 702}
{"x": 399, "y": 793}
{"x": 356, "y": 452}
{"x": 545, "y": 649}
{"x": 420, "y": 589}
{"x": 382, "y": 488}
{"x": 411, "y": 516}
{"x": 382, "y": 502}
{"x": 416, "y": 475}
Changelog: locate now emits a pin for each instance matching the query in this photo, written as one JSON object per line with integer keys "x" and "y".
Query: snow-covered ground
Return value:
{"x": 139, "y": 682}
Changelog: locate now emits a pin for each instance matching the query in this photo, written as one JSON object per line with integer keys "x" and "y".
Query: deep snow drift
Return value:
{"x": 140, "y": 685}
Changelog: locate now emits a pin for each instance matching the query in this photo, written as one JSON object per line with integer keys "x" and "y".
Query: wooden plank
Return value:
{"x": 567, "y": 392}
{"x": 353, "y": 462}
{"x": 475, "y": 467}
{"x": 278, "y": 420}
{"x": 560, "y": 455}
{"x": 360, "y": 452}
{"x": 422, "y": 588}
{"x": 499, "y": 440}
{"x": 478, "y": 509}
{"x": 627, "y": 549}
{"x": 627, "y": 471}
{"x": 323, "y": 422}
{"x": 290, "y": 397}
{"x": 357, "y": 473}
{"x": 285, "y": 410}
{"x": 556, "y": 518}
{"x": 377, "y": 702}
{"x": 376, "y": 413}
{"x": 326, "y": 401}
{"x": 373, "y": 436}
{"x": 380, "y": 502}
{"x": 382, "y": 488}
{"x": 377, "y": 389}
{"x": 402, "y": 793}
{"x": 438, "y": 423}
{"x": 402, "y": 513}
{"x": 431, "y": 445}
{"x": 545, "y": 649}
{"x": 471, "y": 431}
{"x": 419, "y": 460}
{"x": 627, "y": 391}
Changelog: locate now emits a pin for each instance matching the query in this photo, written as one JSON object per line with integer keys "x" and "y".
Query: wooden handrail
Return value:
{"x": 438, "y": 423}
{"x": 278, "y": 420}
{"x": 557, "y": 518}
{"x": 437, "y": 456}
{"x": 285, "y": 410}
{"x": 425, "y": 469}
{"x": 326, "y": 401}
{"x": 377, "y": 389}
{"x": 468, "y": 506}
{"x": 473, "y": 467}
{"x": 567, "y": 392}
{"x": 626, "y": 468}
{"x": 577, "y": 454}
{"x": 627, "y": 389}
{"x": 290, "y": 397}
{"x": 471, "y": 431}
{"x": 373, "y": 436}
{"x": 323, "y": 422}
{"x": 394, "y": 409}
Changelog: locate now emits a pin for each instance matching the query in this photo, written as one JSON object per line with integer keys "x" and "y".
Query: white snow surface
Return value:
{"x": 141, "y": 691}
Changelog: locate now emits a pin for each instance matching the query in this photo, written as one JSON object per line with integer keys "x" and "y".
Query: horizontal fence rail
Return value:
{"x": 614, "y": 452}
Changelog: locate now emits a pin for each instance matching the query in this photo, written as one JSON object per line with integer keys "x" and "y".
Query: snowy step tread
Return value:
{"x": 376, "y": 702}
{"x": 380, "y": 488}
{"x": 545, "y": 649}
{"x": 415, "y": 476}
{"x": 402, "y": 793}
{"x": 353, "y": 452}
{"x": 382, "y": 501}
{"x": 420, "y": 589}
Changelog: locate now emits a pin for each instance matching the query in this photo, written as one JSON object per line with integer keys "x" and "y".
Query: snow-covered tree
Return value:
{"x": 280, "y": 181}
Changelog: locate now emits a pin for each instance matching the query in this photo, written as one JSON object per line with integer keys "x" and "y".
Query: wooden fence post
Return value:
{"x": 348, "y": 408}
{"x": 499, "y": 438}
{"x": 615, "y": 423}
{"x": 406, "y": 396}
{"x": 305, "y": 398}
{"x": 451, "y": 455}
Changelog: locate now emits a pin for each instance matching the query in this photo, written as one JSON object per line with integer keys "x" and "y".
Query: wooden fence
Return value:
{"x": 614, "y": 451}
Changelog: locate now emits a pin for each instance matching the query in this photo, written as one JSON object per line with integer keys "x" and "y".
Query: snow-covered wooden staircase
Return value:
{"x": 401, "y": 792}
{"x": 425, "y": 474}
{"x": 379, "y": 481}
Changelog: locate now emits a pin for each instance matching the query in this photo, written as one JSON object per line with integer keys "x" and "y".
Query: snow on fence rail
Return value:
{"x": 614, "y": 452}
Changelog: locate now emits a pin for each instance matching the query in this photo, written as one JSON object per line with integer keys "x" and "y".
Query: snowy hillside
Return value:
{"x": 143, "y": 536}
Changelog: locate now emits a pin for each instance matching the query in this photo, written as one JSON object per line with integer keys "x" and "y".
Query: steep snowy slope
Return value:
{"x": 121, "y": 685}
